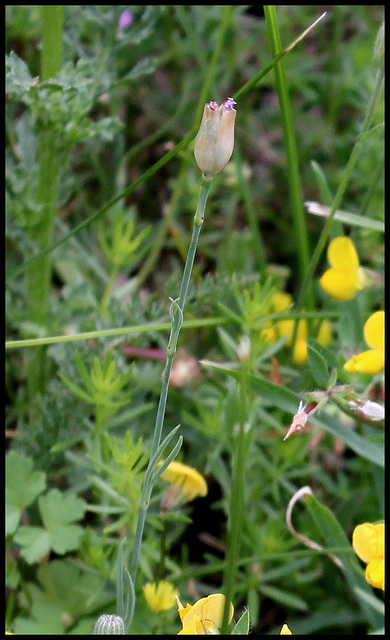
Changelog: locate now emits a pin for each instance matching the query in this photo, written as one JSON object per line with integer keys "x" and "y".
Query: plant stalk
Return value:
{"x": 39, "y": 274}
{"x": 177, "y": 311}
{"x": 237, "y": 500}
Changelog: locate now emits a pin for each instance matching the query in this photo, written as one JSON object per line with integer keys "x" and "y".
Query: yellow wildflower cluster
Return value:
{"x": 373, "y": 360}
{"x": 368, "y": 541}
{"x": 342, "y": 281}
{"x": 345, "y": 277}
{"x": 280, "y": 302}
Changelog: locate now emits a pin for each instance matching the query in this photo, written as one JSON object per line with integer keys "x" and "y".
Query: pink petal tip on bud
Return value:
{"x": 229, "y": 104}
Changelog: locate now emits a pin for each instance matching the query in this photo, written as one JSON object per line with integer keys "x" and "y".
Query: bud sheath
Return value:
{"x": 215, "y": 140}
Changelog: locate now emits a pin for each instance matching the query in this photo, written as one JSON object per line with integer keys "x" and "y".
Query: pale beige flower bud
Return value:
{"x": 215, "y": 140}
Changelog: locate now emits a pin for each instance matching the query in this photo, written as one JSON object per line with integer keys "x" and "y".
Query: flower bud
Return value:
{"x": 215, "y": 140}
{"x": 109, "y": 625}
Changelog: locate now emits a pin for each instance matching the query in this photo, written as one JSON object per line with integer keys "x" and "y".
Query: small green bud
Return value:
{"x": 109, "y": 625}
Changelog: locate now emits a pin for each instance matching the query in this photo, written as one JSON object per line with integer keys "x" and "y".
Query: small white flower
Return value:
{"x": 299, "y": 421}
{"x": 373, "y": 410}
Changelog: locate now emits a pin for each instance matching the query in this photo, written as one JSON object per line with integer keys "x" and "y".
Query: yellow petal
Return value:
{"x": 342, "y": 253}
{"x": 375, "y": 572}
{"x": 300, "y": 347}
{"x": 325, "y": 333}
{"x": 286, "y": 328}
{"x": 208, "y": 609}
{"x": 374, "y": 330}
{"x": 189, "y": 481}
{"x": 269, "y": 334}
{"x": 368, "y": 541}
{"x": 281, "y": 300}
{"x": 285, "y": 631}
{"x": 160, "y": 596}
{"x": 194, "y": 627}
{"x": 371, "y": 362}
{"x": 341, "y": 283}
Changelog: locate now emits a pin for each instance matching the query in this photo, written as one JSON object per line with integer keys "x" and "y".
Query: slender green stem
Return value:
{"x": 257, "y": 239}
{"x": 39, "y": 274}
{"x": 177, "y": 311}
{"x": 107, "y": 293}
{"x": 53, "y": 20}
{"x": 293, "y": 175}
{"x": 237, "y": 500}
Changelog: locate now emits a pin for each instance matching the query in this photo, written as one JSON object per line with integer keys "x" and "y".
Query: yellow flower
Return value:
{"x": 373, "y": 360}
{"x": 285, "y": 631}
{"x": 160, "y": 596}
{"x": 203, "y": 617}
{"x": 345, "y": 277}
{"x": 280, "y": 302}
{"x": 186, "y": 481}
{"x": 368, "y": 541}
{"x": 215, "y": 140}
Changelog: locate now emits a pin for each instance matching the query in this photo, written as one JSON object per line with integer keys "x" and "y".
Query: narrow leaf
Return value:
{"x": 334, "y": 536}
{"x": 318, "y": 366}
{"x": 242, "y": 626}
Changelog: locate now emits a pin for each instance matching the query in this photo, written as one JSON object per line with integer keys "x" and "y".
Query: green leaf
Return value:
{"x": 322, "y": 183}
{"x": 318, "y": 366}
{"x": 284, "y": 597}
{"x": 23, "y": 485}
{"x": 334, "y": 536}
{"x": 58, "y": 534}
{"x": 76, "y": 390}
{"x": 242, "y": 626}
{"x": 142, "y": 68}
{"x": 63, "y": 594}
{"x": 18, "y": 77}
{"x": 35, "y": 543}
{"x": 57, "y": 513}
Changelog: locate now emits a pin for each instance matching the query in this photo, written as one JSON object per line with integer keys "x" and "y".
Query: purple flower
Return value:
{"x": 125, "y": 19}
{"x": 229, "y": 104}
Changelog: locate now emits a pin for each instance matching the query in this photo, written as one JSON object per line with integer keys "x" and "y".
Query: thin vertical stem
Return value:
{"x": 257, "y": 239}
{"x": 177, "y": 310}
{"x": 293, "y": 175}
{"x": 39, "y": 274}
{"x": 237, "y": 499}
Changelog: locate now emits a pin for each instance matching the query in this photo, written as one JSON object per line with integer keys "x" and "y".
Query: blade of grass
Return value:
{"x": 258, "y": 244}
{"x": 163, "y": 326}
{"x": 292, "y": 158}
